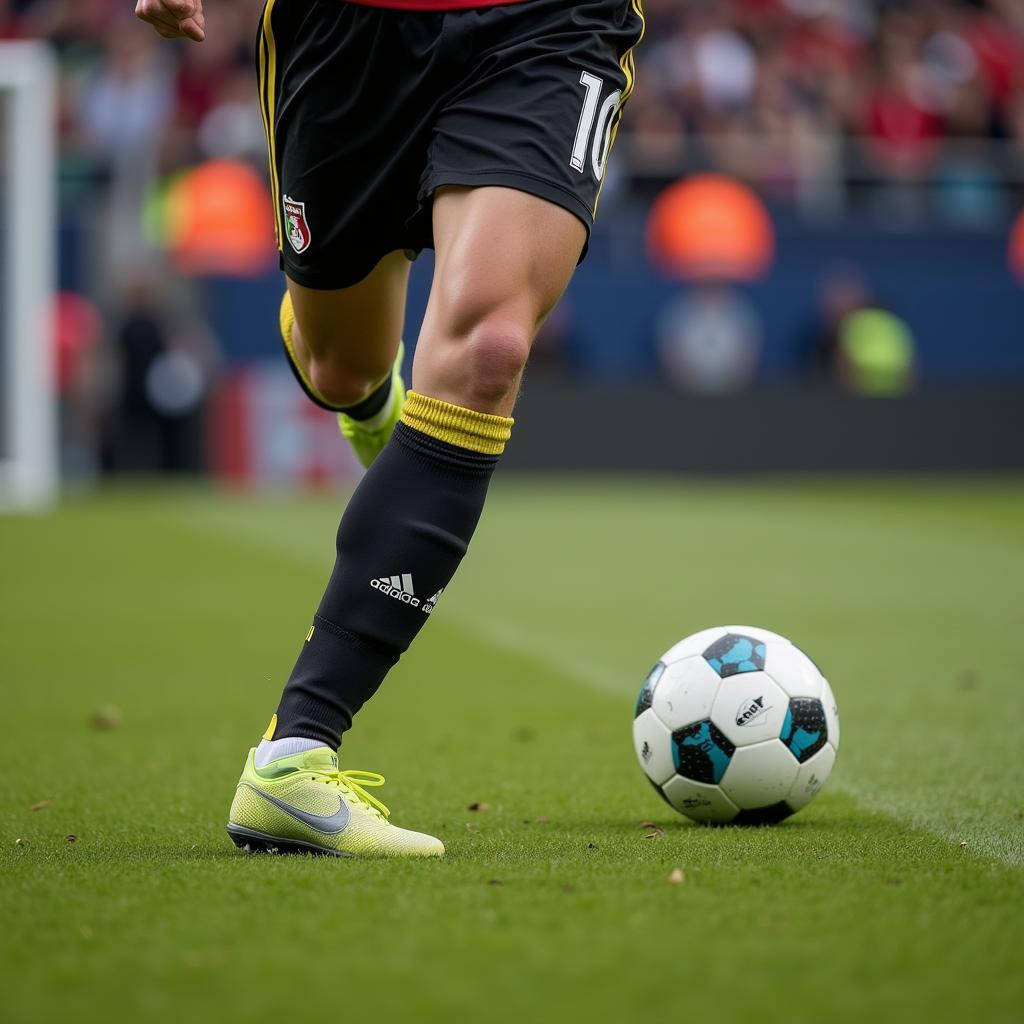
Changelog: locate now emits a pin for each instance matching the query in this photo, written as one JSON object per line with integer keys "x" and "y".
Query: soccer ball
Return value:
{"x": 736, "y": 724}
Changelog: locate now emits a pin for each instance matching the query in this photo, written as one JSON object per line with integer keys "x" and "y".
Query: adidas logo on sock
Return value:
{"x": 400, "y": 588}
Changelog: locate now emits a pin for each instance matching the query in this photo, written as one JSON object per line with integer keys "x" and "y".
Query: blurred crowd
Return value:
{"x": 824, "y": 103}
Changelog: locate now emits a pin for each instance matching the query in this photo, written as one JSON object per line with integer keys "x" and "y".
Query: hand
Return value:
{"x": 174, "y": 19}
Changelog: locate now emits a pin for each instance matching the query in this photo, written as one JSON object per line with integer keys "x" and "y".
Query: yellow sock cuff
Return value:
{"x": 465, "y": 428}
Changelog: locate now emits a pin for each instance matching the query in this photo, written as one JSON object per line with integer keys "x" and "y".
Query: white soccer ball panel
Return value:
{"x": 760, "y": 776}
{"x": 811, "y": 777}
{"x": 749, "y": 708}
{"x": 685, "y": 692}
{"x": 653, "y": 744}
{"x": 793, "y": 670}
{"x": 831, "y": 713}
{"x": 695, "y": 644}
{"x": 698, "y": 800}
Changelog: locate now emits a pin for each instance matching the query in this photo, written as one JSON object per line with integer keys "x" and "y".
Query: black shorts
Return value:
{"x": 370, "y": 110}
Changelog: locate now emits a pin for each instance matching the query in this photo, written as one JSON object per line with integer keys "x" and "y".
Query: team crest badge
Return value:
{"x": 295, "y": 224}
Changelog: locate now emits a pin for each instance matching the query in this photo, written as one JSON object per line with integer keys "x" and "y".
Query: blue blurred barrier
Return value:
{"x": 952, "y": 287}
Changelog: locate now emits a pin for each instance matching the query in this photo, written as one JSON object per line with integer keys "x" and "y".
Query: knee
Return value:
{"x": 342, "y": 373}
{"x": 342, "y": 384}
{"x": 489, "y": 356}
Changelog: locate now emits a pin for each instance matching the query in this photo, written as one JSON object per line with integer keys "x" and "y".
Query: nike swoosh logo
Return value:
{"x": 328, "y": 824}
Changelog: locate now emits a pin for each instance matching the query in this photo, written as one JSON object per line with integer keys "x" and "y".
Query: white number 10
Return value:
{"x": 588, "y": 116}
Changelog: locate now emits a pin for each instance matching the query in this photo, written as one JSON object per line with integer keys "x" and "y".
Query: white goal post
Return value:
{"x": 28, "y": 404}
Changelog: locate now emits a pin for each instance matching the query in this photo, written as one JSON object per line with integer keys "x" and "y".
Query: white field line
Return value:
{"x": 996, "y": 842}
{"x": 511, "y": 639}
{"x": 501, "y": 634}
{"x": 979, "y": 835}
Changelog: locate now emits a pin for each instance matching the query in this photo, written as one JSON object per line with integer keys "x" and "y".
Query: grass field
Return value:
{"x": 896, "y": 895}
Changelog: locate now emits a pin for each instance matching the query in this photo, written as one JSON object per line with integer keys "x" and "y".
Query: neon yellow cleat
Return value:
{"x": 304, "y": 804}
{"x": 368, "y": 437}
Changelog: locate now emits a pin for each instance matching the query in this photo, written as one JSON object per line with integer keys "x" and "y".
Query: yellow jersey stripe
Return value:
{"x": 628, "y": 65}
{"x": 261, "y": 77}
{"x": 261, "y": 73}
{"x": 268, "y": 97}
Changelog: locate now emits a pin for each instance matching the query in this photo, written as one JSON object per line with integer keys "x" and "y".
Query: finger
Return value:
{"x": 166, "y": 26}
{"x": 200, "y": 18}
{"x": 182, "y": 9}
{"x": 193, "y": 28}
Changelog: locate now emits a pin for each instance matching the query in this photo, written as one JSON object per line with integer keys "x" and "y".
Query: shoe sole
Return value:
{"x": 251, "y": 841}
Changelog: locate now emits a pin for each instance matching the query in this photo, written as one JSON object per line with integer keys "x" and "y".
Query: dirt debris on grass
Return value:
{"x": 106, "y": 718}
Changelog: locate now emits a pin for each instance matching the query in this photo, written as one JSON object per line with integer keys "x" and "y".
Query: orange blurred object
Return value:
{"x": 710, "y": 227}
{"x": 1015, "y": 248}
{"x": 220, "y": 221}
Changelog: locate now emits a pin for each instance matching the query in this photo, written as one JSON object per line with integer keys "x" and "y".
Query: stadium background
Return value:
{"x": 886, "y": 142}
{"x": 871, "y": 321}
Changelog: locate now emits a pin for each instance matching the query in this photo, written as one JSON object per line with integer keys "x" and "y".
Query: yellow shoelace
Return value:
{"x": 353, "y": 782}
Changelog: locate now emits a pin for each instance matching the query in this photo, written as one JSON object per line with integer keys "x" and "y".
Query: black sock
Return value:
{"x": 372, "y": 403}
{"x": 400, "y": 541}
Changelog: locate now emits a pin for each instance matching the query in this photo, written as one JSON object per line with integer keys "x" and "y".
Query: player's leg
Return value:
{"x": 344, "y": 346}
{"x": 410, "y": 521}
{"x": 488, "y": 300}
